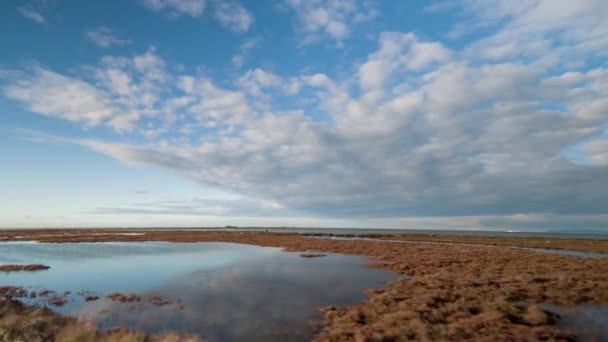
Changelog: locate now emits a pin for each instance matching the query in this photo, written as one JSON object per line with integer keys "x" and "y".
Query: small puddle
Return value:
{"x": 219, "y": 291}
{"x": 587, "y": 321}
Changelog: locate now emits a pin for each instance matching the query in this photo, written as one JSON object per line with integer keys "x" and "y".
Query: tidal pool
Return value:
{"x": 219, "y": 291}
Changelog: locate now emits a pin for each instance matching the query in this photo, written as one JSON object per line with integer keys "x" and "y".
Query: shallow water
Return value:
{"x": 587, "y": 321}
{"x": 220, "y": 291}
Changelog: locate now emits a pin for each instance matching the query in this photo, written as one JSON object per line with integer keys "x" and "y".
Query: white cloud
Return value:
{"x": 118, "y": 93}
{"x": 233, "y": 15}
{"x": 554, "y": 31}
{"x": 255, "y": 80}
{"x": 332, "y": 18}
{"x": 416, "y": 129}
{"x": 29, "y": 12}
{"x": 193, "y": 8}
{"x": 241, "y": 56}
{"x": 598, "y": 152}
{"x": 49, "y": 93}
{"x": 212, "y": 106}
{"x": 104, "y": 37}
{"x": 399, "y": 51}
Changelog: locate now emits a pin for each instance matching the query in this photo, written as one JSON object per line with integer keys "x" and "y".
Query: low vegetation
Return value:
{"x": 19, "y": 268}
{"x": 311, "y": 255}
{"x": 460, "y": 292}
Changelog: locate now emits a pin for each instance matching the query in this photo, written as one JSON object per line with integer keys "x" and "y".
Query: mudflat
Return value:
{"x": 466, "y": 291}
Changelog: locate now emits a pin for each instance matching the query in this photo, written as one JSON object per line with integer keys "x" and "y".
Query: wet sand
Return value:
{"x": 447, "y": 292}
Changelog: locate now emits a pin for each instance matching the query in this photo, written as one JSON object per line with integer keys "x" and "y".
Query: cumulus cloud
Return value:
{"x": 193, "y": 8}
{"x": 52, "y": 94}
{"x": 229, "y": 14}
{"x": 233, "y": 15}
{"x": 104, "y": 37}
{"x": 332, "y": 19}
{"x": 415, "y": 130}
{"x": 118, "y": 92}
{"x": 399, "y": 51}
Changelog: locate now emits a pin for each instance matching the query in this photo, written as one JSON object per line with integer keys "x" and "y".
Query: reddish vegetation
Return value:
{"x": 57, "y": 300}
{"x": 452, "y": 292}
{"x": 11, "y": 292}
{"x": 583, "y": 245}
{"x": 311, "y": 255}
{"x": 91, "y": 298}
{"x": 157, "y": 300}
{"x": 17, "y": 268}
{"x": 124, "y": 297}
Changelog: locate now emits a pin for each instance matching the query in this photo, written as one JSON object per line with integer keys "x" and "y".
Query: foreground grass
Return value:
{"x": 28, "y": 324}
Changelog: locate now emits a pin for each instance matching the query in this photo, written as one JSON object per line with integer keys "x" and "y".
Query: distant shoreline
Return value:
{"x": 565, "y": 242}
{"x": 488, "y": 233}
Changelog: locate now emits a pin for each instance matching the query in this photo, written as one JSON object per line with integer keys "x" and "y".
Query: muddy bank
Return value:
{"x": 19, "y": 268}
{"x": 451, "y": 292}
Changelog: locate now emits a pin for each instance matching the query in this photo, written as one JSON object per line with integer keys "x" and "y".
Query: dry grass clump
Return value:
{"x": 18, "y": 268}
{"x": 124, "y": 297}
{"x": 57, "y": 300}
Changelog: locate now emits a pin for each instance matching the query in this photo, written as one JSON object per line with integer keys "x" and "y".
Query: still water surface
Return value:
{"x": 219, "y": 291}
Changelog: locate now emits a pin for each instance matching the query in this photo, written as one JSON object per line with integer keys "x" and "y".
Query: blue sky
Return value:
{"x": 469, "y": 114}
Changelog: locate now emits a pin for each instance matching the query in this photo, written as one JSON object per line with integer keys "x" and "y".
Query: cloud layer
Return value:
{"x": 417, "y": 129}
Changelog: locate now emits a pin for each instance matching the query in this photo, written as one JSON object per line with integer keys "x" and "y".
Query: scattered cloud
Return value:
{"x": 233, "y": 15}
{"x": 193, "y": 8}
{"x": 399, "y": 51}
{"x": 104, "y": 37}
{"x": 416, "y": 131}
{"x": 118, "y": 93}
{"x": 31, "y": 13}
{"x": 49, "y": 93}
{"x": 244, "y": 50}
{"x": 229, "y": 14}
{"x": 334, "y": 19}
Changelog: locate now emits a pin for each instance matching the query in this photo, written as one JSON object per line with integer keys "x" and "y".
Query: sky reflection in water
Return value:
{"x": 220, "y": 291}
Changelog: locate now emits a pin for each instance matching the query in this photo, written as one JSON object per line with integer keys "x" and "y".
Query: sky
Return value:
{"x": 463, "y": 114}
